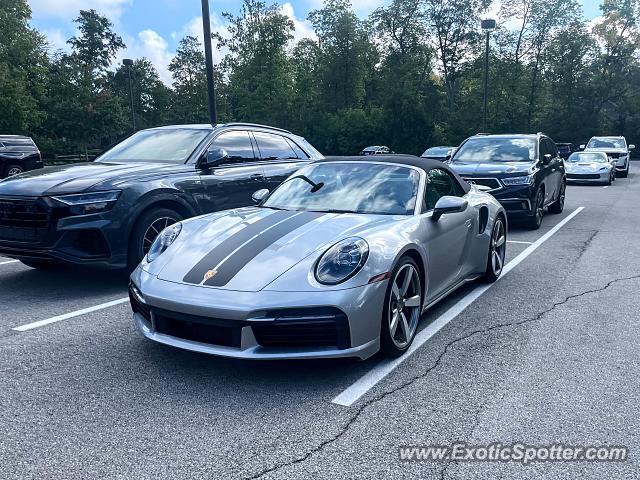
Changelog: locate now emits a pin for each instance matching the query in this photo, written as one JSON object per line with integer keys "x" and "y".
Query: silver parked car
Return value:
{"x": 340, "y": 260}
{"x": 616, "y": 149}
{"x": 590, "y": 167}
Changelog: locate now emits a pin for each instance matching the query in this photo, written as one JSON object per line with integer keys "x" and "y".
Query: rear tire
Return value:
{"x": 402, "y": 308}
{"x": 145, "y": 231}
{"x": 12, "y": 170}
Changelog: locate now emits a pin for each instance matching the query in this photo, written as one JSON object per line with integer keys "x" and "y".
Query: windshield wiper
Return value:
{"x": 333, "y": 210}
{"x": 314, "y": 186}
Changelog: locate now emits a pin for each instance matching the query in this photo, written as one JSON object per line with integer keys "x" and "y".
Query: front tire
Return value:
{"x": 13, "y": 170}
{"x": 534, "y": 221}
{"x": 145, "y": 231}
{"x": 402, "y": 308}
{"x": 497, "y": 251}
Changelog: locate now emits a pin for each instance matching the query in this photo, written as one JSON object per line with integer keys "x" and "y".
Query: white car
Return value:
{"x": 615, "y": 148}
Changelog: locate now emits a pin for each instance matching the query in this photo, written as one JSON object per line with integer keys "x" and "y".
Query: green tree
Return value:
{"x": 151, "y": 97}
{"x": 260, "y": 80}
{"x": 23, "y": 66}
{"x": 189, "y": 83}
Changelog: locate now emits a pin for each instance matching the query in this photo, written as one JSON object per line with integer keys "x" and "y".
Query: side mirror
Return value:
{"x": 582, "y": 147}
{"x": 547, "y": 159}
{"x": 448, "y": 204}
{"x": 260, "y": 195}
{"x": 215, "y": 156}
{"x": 632, "y": 147}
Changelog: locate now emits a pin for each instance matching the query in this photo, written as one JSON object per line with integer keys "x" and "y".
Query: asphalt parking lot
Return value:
{"x": 547, "y": 354}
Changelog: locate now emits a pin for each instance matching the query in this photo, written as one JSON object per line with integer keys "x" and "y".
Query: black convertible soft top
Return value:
{"x": 425, "y": 164}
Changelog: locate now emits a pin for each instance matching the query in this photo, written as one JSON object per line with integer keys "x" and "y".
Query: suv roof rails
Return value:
{"x": 482, "y": 134}
{"x": 245, "y": 124}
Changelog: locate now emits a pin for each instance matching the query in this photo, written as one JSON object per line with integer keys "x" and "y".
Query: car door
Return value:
{"x": 554, "y": 171}
{"x": 446, "y": 240}
{"x": 231, "y": 183}
{"x": 280, "y": 157}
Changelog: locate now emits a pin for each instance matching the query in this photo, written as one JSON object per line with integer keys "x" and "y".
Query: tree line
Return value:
{"x": 409, "y": 76}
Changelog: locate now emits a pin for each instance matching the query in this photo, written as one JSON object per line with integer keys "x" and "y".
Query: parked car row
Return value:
{"x": 339, "y": 257}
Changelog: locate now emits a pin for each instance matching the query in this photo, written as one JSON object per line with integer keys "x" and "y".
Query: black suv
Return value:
{"x": 108, "y": 212}
{"x": 565, "y": 149}
{"x": 524, "y": 172}
{"x": 18, "y": 154}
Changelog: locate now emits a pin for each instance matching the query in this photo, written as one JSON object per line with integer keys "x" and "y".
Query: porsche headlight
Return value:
{"x": 342, "y": 261}
{"x": 163, "y": 241}
{"x": 92, "y": 202}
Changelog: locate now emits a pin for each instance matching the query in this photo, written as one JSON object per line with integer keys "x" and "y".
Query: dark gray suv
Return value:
{"x": 18, "y": 154}
{"x": 108, "y": 212}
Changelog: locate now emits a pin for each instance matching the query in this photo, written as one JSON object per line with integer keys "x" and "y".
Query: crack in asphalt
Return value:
{"x": 587, "y": 244}
{"x": 381, "y": 396}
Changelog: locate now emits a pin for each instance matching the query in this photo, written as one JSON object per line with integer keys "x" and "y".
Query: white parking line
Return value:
{"x": 518, "y": 241}
{"x": 370, "y": 379}
{"x": 9, "y": 261}
{"x": 606, "y": 186}
{"x": 77, "y": 313}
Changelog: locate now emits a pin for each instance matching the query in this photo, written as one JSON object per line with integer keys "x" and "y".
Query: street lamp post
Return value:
{"x": 129, "y": 63}
{"x": 211, "y": 91}
{"x": 488, "y": 26}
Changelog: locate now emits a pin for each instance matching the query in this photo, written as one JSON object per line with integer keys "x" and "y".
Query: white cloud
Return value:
{"x": 194, "y": 29}
{"x": 365, "y": 7}
{"x": 67, "y": 9}
{"x": 303, "y": 28}
{"x": 153, "y": 47}
{"x": 55, "y": 39}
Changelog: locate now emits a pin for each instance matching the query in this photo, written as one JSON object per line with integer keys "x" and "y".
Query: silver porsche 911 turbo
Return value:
{"x": 340, "y": 260}
{"x": 590, "y": 167}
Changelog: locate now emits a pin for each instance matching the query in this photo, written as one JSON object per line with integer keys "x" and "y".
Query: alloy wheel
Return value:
{"x": 404, "y": 305}
{"x": 154, "y": 230}
{"x": 498, "y": 248}
{"x": 14, "y": 171}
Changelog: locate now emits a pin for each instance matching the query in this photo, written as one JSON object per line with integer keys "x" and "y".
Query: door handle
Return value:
{"x": 256, "y": 176}
{"x": 468, "y": 223}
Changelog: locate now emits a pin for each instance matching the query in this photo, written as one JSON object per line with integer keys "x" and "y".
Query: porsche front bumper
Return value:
{"x": 267, "y": 325}
{"x": 588, "y": 177}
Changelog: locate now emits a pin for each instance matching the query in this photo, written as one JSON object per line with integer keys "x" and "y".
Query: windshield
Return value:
{"x": 436, "y": 151}
{"x": 564, "y": 148}
{"x": 588, "y": 157}
{"x": 606, "y": 142}
{"x": 165, "y": 145}
{"x": 496, "y": 149}
{"x": 349, "y": 188}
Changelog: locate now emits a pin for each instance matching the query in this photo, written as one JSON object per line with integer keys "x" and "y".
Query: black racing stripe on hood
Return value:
{"x": 227, "y": 246}
{"x": 230, "y": 267}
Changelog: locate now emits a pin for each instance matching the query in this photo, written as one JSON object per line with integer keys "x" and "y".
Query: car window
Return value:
{"x": 273, "y": 147}
{"x": 237, "y": 144}
{"x": 350, "y": 187}
{"x": 496, "y": 149}
{"x": 439, "y": 184}
{"x": 161, "y": 145}
{"x": 297, "y": 150}
{"x": 607, "y": 142}
{"x": 553, "y": 150}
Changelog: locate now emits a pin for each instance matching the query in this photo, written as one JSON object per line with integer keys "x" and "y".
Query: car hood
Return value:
{"x": 474, "y": 169}
{"x": 75, "y": 178}
{"x": 247, "y": 249}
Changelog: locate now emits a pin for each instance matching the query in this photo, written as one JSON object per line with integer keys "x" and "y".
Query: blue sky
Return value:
{"x": 152, "y": 28}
